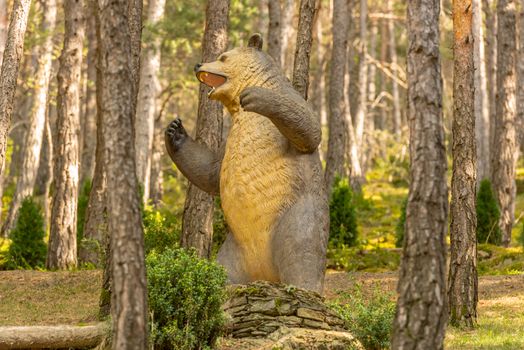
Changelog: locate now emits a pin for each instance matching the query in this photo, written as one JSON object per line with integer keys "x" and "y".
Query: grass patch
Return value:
{"x": 367, "y": 260}
{"x": 494, "y": 260}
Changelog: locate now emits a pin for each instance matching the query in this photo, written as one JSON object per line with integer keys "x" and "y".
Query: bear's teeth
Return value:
{"x": 211, "y": 91}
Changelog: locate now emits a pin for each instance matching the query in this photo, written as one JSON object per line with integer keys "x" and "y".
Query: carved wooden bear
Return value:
{"x": 268, "y": 175}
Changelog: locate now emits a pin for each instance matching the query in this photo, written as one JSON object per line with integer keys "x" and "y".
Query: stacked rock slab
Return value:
{"x": 274, "y": 311}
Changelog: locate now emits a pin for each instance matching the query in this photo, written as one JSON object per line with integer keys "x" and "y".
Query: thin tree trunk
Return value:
{"x": 288, "y": 12}
{"x": 420, "y": 319}
{"x": 3, "y": 28}
{"x": 372, "y": 75}
{"x": 491, "y": 68}
{"x": 361, "y": 114}
{"x": 51, "y": 115}
{"x": 481, "y": 95}
{"x": 520, "y": 78}
{"x": 503, "y": 157}
{"x": 120, "y": 29}
{"x": 61, "y": 252}
{"x": 35, "y": 135}
{"x": 462, "y": 278}
{"x": 274, "y": 33}
{"x": 157, "y": 182}
{"x": 88, "y": 150}
{"x": 147, "y": 94}
{"x": 9, "y": 72}
{"x": 397, "y": 117}
{"x": 335, "y": 159}
{"x": 303, "y": 47}
{"x": 197, "y": 223}
{"x": 321, "y": 80}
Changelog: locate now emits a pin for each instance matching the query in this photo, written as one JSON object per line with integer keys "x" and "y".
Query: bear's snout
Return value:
{"x": 197, "y": 67}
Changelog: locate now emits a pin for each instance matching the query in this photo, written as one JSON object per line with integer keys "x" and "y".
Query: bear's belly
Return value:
{"x": 256, "y": 186}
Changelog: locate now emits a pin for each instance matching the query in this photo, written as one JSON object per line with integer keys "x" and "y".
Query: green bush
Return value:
{"x": 83, "y": 201}
{"x": 28, "y": 249}
{"x": 400, "y": 229}
{"x": 343, "y": 219}
{"x": 488, "y": 215}
{"x": 161, "y": 231}
{"x": 185, "y": 299}
{"x": 368, "y": 317}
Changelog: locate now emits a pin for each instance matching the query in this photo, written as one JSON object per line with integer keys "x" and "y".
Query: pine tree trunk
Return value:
{"x": 120, "y": 31}
{"x": 503, "y": 157}
{"x": 335, "y": 159}
{"x": 481, "y": 95}
{"x": 274, "y": 33}
{"x": 197, "y": 223}
{"x": 360, "y": 118}
{"x": 491, "y": 68}
{"x": 147, "y": 94}
{"x": 321, "y": 79}
{"x": 462, "y": 278}
{"x": 397, "y": 117}
{"x": 303, "y": 47}
{"x": 3, "y": 28}
{"x": 88, "y": 147}
{"x": 288, "y": 32}
{"x": 520, "y": 78}
{"x": 35, "y": 135}
{"x": 157, "y": 181}
{"x": 9, "y": 71}
{"x": 420, "y": 319}
{"x": 61, "y": 252}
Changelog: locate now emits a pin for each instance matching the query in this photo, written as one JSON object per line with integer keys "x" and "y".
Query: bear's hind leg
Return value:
{"x": 230, "y": 256}
{"x": 299, "y": 243}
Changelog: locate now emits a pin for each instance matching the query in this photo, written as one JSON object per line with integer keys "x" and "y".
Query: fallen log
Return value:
{"x": 54, "y": 337}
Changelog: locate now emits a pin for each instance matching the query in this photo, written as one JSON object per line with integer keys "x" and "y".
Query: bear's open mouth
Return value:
{"x": 211, "y": 79}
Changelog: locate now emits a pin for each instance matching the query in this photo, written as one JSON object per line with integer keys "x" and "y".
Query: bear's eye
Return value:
{"x": 222, "y": 58}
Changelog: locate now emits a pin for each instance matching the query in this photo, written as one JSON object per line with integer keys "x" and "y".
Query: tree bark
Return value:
{"x": 35, "y": 135}
{"x": 274, "y": 33}
{"x": 361, "y": 114}
{"x": 303, "y": 47}
{"x": 61, "y": 251}
{"x": 520, "y": 78}
{"x": 462, "y": 278}
{"x": 147, "y": 94}
{"x": 491, "y": 68}
{"x": 481, "y": 95}
{"x": 9, "y": 71}
{"x": 156, "y": 185}
{"x": 397, "y": 117}
{"x": 503, "y": 157}
{"x": 3, "y": 28}
{"x": 197, "y": 223}
{"x": 120, "y": 30}
{"x": 335, "y": 159}
{"x": 88, "y": 150}
{"x": 420, "y": 319}
{"x": 288, "y": 12}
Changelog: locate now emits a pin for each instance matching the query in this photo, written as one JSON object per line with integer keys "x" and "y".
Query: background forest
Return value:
{"x": 58, "y": 176}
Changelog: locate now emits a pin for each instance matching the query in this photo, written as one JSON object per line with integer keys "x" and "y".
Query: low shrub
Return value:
{"x": 400, "y": 229}
{"x": 488, "y": 215}
{"x": 185, "y": 299}
{"x": 342, "y": 214}
{"x": 161, "y": 230}
{"x": 28, "y": 249}
{"x": 368, "y": 317}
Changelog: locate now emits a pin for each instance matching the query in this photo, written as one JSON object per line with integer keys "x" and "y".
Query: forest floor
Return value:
{"x": 51, "y": 298}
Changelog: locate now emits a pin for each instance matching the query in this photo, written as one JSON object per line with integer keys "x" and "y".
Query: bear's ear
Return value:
{"x": 256, "y": 41}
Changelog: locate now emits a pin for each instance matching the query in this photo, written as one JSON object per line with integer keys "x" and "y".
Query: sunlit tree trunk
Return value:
{"x": 197, "y": 223}
{"x": 482, "y": 124}
{"x": 35, "y": 135}
{"x": 503, "y": 157}
{"x": 120, "y": 32}
{"x": 88, "y": 147}
{"x": 147, "y": 94}
{"x": 9, "y": 70}
{"x": 491, "y": 67}
{"x": 288, "y": 32}
{"x": 421, "y": 315}
{"x": 361, "y": 113}
{"x": 462, "y": 278}
{"x": 61, "y": 252}
{"x": 397, "y": 118}
{"x": 3, "y": 27}
{"x": 157, "y": 183}
{"x": 335, "y": 159}
{"x": 303, "y": 47}
{"x": 274, "y": 33}
{"x": 520, "y": 78}
{"x": 321, "y": 79}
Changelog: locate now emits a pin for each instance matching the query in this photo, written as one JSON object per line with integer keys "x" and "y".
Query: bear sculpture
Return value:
{"x": 268, "y": 174}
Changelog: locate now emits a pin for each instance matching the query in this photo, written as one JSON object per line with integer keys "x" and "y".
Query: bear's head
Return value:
{"x": 237, "y": 69}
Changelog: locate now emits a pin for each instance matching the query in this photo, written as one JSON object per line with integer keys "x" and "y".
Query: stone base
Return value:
{"x": 267, "y": 315}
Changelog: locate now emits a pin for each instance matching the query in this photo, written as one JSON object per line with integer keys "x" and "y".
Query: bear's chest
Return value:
{"x": 256, "y": 180}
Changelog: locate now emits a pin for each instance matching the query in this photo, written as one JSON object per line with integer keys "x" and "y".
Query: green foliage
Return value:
{"x": 356, "y": 259}
{"x": 220, "y": 228}
{"x": 494, "y": 260}
{"x": 401, "y": 225}
{"x": 488, "y": 215}
{"x": 83, "y": 201}
{"x": 521, "y": 236}
{"x": 343, "y": 220}
{"x": 27, "y": 249}
{"x": 161, "y": 231}
{"x": 368, "y": 317}
{"x": 185, "y": 298}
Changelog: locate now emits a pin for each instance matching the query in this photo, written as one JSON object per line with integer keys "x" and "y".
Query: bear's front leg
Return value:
{"x": 197, "y": 162}
{"x": 288, "y": 111}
